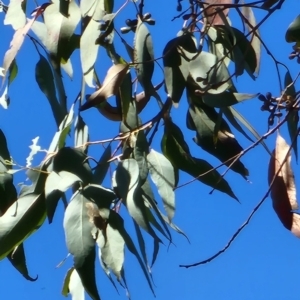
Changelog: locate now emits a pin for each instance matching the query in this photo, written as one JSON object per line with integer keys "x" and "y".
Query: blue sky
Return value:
{"x": 264, "y": 260}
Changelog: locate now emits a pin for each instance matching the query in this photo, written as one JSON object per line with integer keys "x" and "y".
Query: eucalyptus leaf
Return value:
{"x": 163, "y": 176}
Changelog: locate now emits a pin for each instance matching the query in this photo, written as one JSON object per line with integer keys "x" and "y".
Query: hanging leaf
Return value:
{"x": 210, "y": 76}
{"x": 65, "y": 288}
{"x": 45, "y": 80}
{"x": 224, "y": 146}
{"x": 293, "y": 32}
{"x": 102, "y": 166}
{"x": 80, "y": 242}
{"x": 18, "y": 39}
{"x": 20, "y": 221}
{"x": 75, "y": 286}
{"x": 88, "y": 46}
{"x": 176, "y": 64}
{"x": 225, "y": 99}
{"x": 117, "y": 220}
{"x": 15, "y": 15}
{"x": 293, "y": 117}
{"x": 283, "y": 189}
{"x": 255, "y": 36}
{"x": 144, "y": 57}
{"x": 60, "y": 136}
{"x": 13, "y": 72}
{"x": 8, "y": 193}
{"x": 98, "y": 194}
{"x": 112, "y": 248}
{"x": 56, "y": 185}
{"x": 111, "y": 84}
{"x": 60, "y": 28}
{"x": 232, "y": 115}
{"x": 163, "y": 176}
{"x": 177, "y": 151}
{"x": 81, "y": 133}
{"x": 73, "y": 161}
{"x": 4, "y": 98}
{"x": 18, "y": 260}
{"x": 126, "y": 181}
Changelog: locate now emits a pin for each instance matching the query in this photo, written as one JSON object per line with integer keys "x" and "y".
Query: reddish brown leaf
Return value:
{"x": 283, "y": 190}
{"x": 111, "y": 84}
{"x": 211, "y": 12}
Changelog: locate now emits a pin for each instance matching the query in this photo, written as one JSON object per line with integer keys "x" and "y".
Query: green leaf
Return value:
{"x": 81, "y": 133}
{"x": 18, "y": 260}
{"x": 45, "y": 80}
{"x": 176, "y": 64}
{"x": 140, "y": 152}
{"x": 222, "y": 144}
{"x": 98, "y": 194}
{"x": 210, "y": 75}
{"x": 102, "y": 166}
{"x": 75, "y": 286}
{"x": 20, "y": 221}
{"x": 293, "y": 32}
{"x": 86, "y": 273}
{"x": 56, "y": 185}
{"x": 225, "y": 99}
{"x": 177, "y": 151}
{"x": 88, "y": 7}
{"x": 60, "y": 28}
{"x": 112, "y": 248}
{"x": 80, "y": 242}
{"x": 64, "y": 8}
{"x": 13, "y": 72}
{"x": 8, "y": 193}
{"x": 15, "y": 15}
{"x": 73, "y": 161}
{"x": 88, "y": 46}
{"x": 162, "y": 174}
{"x": 125, "y": 95}
{"x": 118, "y": 222}
{"x": 235, "y": 114}
{"x": 126, "y": 181}
{"x": 144, "y": 57}
{"x": 65, "y": 288}
{"x": 109, "y": 5}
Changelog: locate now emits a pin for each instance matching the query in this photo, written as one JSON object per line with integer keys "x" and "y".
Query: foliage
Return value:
{"x": 203, "y": 60}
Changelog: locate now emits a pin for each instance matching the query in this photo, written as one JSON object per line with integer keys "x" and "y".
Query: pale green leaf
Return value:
{"x": 163, "y": 176}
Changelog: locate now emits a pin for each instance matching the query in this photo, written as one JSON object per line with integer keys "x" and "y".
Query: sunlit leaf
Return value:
{"x": 20, "y": 221}
{"x": 162, "y": 174}
{"x": 4, "y": 98}
{"x": 88, "y": 46}
{"x": 15, "y": 15}
{"x": 56, "y": 184}
{"x": 34, "y": 149}
{"x": 81, "y": 133}
{"x": 75, "y": 286}
{"x": 80, "y": 242}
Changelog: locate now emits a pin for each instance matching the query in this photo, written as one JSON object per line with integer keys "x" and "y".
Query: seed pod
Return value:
{"x": 262, "y": 97}
{"x": 125, "y": 30}
{"x": 146, "y": 16}
{"x": 150, "y": 21}
{"x": 268, "y": 96}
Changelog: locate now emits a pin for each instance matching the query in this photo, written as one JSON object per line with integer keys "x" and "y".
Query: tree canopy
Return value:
{"x": 109, "y": 47}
